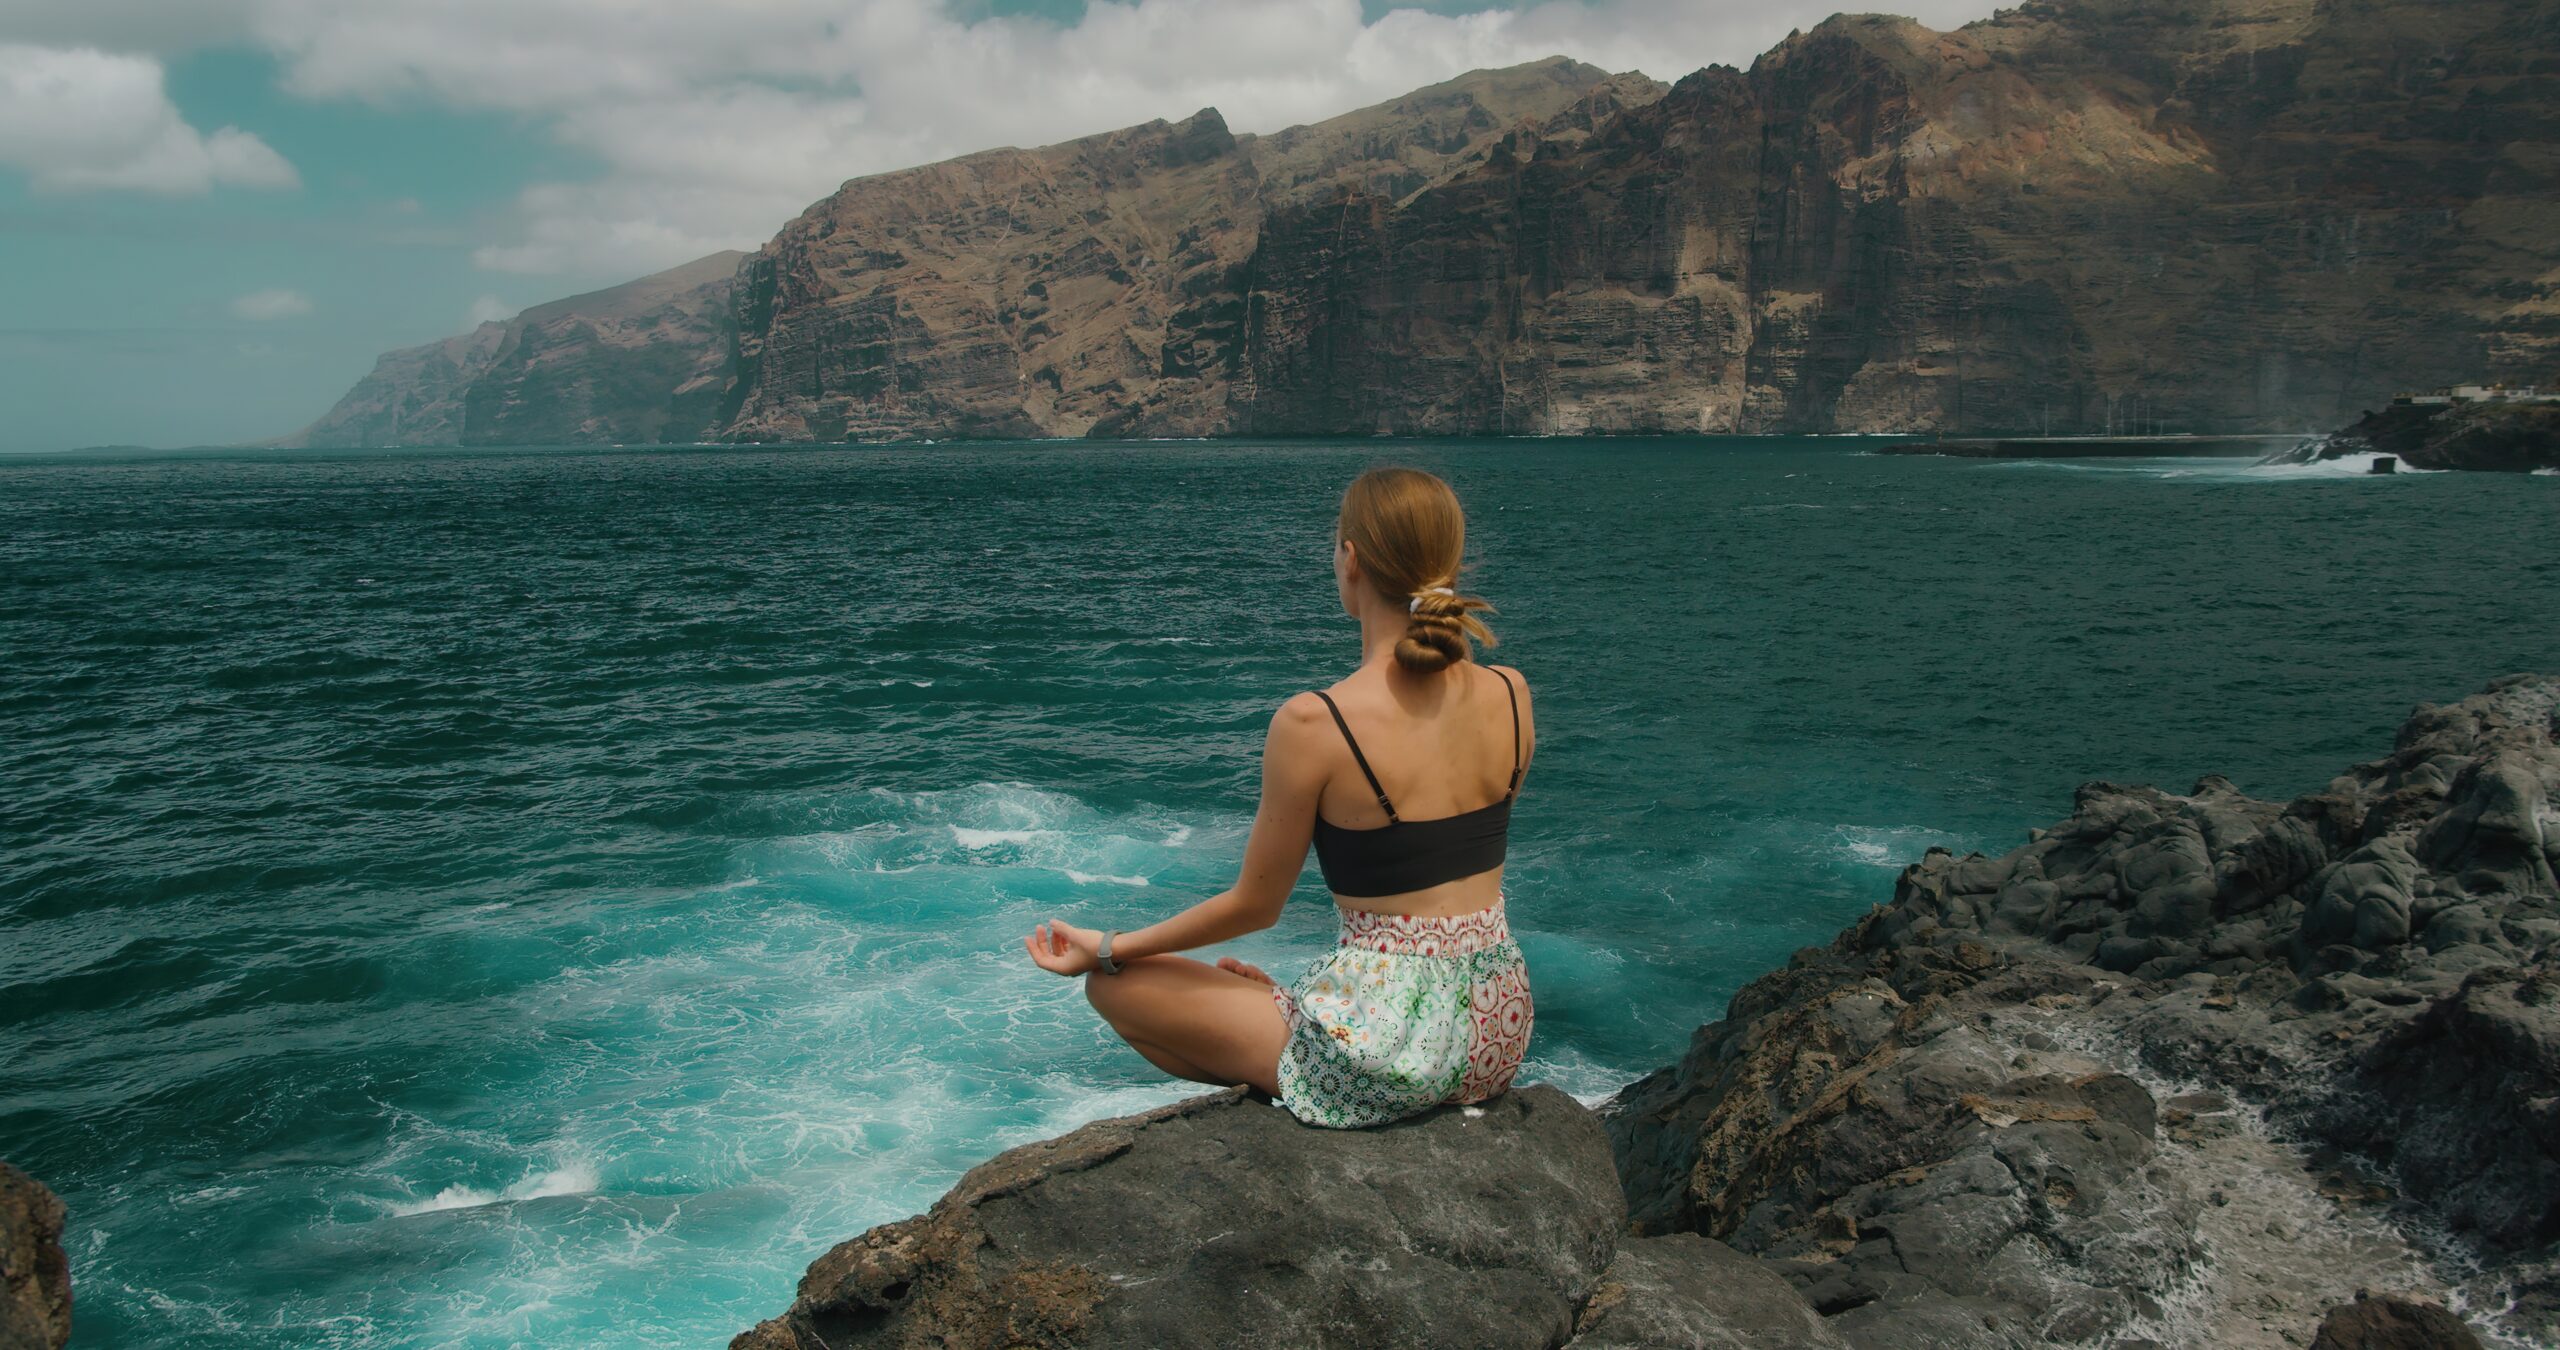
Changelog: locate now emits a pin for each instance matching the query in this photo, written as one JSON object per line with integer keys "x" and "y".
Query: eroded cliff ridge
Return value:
{"x": 1006, "y": 293}
{"x": 2182, "y": 1070}
{"x": 1097, "y": 287}
{"x": 645, "y": 362}
{"x": 2073, "y": 216}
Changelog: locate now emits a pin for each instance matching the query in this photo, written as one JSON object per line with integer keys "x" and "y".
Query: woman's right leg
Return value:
{"x": 1194, "y": 1020}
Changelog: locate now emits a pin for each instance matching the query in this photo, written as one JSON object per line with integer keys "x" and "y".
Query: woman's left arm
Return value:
{"x": 1293, "y": 778}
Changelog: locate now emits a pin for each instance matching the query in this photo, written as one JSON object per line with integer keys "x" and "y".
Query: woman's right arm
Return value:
{"x": 1293, "y": 779}
{"x": 1274, "y": 854}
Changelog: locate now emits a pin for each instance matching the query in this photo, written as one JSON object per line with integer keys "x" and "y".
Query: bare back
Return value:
{"x": 1440, "y": 747}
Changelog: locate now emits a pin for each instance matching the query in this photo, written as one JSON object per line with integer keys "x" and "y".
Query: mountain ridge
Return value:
{"x": 2073, "y": 216}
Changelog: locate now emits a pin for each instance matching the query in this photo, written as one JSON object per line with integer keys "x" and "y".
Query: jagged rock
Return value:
{"x": 35, "y": 1305}
{"x": 1221, "y": 1220}
{"x": 1853, "y": 1121}
{"x": 1932, "y": 1125}
{"x": 2463, "y": 1099}
{"x": 2505, "y": 437}
{"x": 2392, "y": 1324}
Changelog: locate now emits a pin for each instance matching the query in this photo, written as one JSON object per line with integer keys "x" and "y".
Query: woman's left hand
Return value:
{"x": 1064, "y": 949}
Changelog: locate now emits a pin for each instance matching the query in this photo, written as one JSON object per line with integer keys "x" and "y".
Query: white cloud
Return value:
{"x": 77, "y": 119}
{"x": 161, "y": 26}
{"x": 720, "y": 123}
{"x": 271, "y": 304}
{"x": 490, "y": 309}
{"x": 714, "y": 124}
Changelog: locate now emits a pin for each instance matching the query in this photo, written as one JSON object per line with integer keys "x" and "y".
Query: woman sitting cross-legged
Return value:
{"x": 1402, "y": 774}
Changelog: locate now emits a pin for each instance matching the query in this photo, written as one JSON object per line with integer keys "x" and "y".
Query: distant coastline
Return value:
{"x": 2208, "y": 446}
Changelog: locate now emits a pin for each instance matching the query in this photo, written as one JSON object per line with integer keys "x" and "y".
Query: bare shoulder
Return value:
{"x": 1300, "y": 710}
{"x": 1291, "y": 755}
{"x": 1518, "y": 680}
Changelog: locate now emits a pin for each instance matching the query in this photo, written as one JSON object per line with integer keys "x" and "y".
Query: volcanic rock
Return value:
{"x": 1221, "y": 1220}
{"x": 35, "y": 1276}
{"x": 2510, "y": 437}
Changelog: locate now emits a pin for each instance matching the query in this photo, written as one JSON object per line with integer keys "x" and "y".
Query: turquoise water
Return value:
{"x": 541, "y": 897}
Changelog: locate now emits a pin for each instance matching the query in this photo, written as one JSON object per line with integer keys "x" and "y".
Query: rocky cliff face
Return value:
{"x": 1097, "y": 287}
{"x": 2111, "y": 216}
{"x": 640, "y": 363}
{"x": 2104, "y": 215}
{"x": 2182, "y": 1070}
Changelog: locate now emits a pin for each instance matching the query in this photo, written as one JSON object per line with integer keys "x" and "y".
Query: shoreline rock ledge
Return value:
{"x": 2183, "y": 1070}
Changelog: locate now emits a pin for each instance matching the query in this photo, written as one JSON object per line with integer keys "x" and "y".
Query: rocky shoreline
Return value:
{"x": 2495, "y": 437}
{"x": 2184, "y": 1069}
{"x": 2100, "y": 447}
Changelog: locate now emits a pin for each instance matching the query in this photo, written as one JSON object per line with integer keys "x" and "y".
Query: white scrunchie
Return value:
{"x": 1414, "y": 605}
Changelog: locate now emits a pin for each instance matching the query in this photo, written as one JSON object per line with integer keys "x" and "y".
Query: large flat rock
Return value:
{"x": 1222, "y": 1221}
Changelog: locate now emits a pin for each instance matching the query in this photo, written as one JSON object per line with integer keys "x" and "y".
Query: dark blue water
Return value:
{"x": 544, "y": 897}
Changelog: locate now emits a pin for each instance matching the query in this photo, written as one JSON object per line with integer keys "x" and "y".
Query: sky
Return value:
{"x": 215, "y": 214}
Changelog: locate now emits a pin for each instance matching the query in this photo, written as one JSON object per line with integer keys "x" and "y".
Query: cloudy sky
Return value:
{"x": 215, "y": 213}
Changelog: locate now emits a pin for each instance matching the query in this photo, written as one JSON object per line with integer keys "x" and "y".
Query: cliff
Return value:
{"x": 1007, "y": 293}
{"x": 644, "y": 362}
{"x": 2182, "y": 1070}
{"x": 2076, "y": 216}
{"x": 1096, "y": 287}
{"x": 2499, "y": 437}
{"x": 2095, "y": 216}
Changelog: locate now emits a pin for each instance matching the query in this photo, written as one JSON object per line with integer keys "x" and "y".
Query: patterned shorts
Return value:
{"x": 1405, "y": 1013}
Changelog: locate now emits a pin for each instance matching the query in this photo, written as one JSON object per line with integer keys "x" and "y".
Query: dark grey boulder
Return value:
{"x": 1908, "y": 1168}
{"x": 1222, "y": 1220}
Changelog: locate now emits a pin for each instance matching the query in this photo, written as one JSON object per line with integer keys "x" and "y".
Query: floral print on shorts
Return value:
{"x": 1405, "y": 1013}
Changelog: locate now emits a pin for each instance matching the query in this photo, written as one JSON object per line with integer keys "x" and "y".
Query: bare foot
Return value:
{"x": 1250, "y": 972}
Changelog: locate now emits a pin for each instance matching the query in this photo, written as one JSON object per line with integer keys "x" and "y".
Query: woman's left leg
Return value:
{"x": 1194, "y": 1020}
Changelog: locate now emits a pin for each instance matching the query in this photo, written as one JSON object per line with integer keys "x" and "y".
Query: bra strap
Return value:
{"x": 1363, "y": 760}
{"x": 1508, "y": 688}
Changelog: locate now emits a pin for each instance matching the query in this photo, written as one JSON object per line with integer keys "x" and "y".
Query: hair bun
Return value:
{"x": 1442, "y": 622}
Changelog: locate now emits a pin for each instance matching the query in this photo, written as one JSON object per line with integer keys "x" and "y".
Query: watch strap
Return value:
{"x": 1103, "y": 954}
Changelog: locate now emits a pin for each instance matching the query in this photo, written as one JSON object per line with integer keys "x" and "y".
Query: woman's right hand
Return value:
{"x": 1061, "y": 948}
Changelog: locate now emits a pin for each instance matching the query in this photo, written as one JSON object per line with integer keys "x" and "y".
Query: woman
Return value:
{"x": 1424, "y": 999}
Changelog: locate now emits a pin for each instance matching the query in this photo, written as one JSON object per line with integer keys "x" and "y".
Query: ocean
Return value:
{"x": 533, "y": 897}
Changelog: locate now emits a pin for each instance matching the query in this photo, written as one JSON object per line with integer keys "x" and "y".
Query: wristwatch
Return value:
{"x": 1102, "y": 956}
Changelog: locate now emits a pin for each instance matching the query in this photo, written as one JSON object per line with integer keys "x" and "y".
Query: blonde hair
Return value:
{"x": 1410, "y": 536}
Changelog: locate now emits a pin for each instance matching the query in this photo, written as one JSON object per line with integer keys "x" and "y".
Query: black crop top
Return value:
{"x": 1407, "y": 855}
